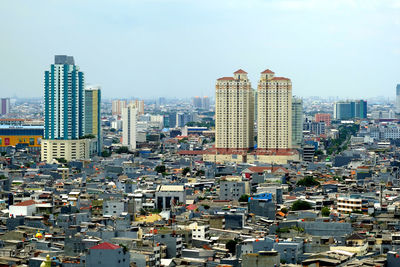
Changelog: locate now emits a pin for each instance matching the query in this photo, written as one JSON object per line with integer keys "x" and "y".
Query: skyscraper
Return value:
{"x": 323, "y": 117}
{"x": 64, "y": 109}
{"x": 234, "y": 112}
{"x": 274, "y": 112}
{"x": 4, "y": 106}
{"x": 140, "y": 106}
{"x": 398, "y": 99}
{"x": 63, "y": 100}
{"x": 92, "y": 114}
{"x": 129, "y": 119}
{"x": 206, "y": 103}
{"x": 197, "y": 102}
{"x": 297, "y": 122}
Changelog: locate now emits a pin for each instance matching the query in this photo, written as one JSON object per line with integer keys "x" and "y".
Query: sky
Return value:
{"x": 178, "y": 48}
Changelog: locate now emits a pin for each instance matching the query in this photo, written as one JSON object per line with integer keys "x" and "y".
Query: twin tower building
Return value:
{"x": 238, "y": 107}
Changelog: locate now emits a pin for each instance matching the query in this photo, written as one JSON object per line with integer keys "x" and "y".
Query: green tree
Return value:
{"x": 307, "y": 181}
{"x": 301, "y": 205}
{"x": 231, "y": 246}
{"x": 185, "y": 171}
{"x": 122, "y": 149}
{"x": 325, "y": 211}
{"x": 160, "y": 169}
{"x": 200, "y": 173}
{"x": 61, "y": 160}
{"x": 105, "y": 153}
{"x": 244, "y": 198}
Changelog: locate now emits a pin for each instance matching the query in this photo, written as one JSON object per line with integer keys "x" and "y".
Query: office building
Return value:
{"x": 129, "y": 120}
{"x": 344, "y": 110}
{"x": 323, "y": 117}
{"x": 92, "y": 114}
{"x": 274, "y": 112}
{"x": 69, "y": 150}
{"x": 297, "y": 122}
{"x": 4, "y": 106}
{"x": 63, "y": 100}
{"x": 117, "y": 106}
{"x": 234, "y": 113}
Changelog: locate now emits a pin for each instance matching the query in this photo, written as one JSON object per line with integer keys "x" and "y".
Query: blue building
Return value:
{"x": 345, "y": 110}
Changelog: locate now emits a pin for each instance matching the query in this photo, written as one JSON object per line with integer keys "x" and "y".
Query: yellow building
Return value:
{"x": 274, "y": 112}
{"x": 20, "y": 136}
{"x": 234, "y": 113}
{"x": 66, "y": 149}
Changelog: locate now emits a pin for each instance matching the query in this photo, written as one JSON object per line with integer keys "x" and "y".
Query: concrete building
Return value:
{"x": 113, "y": 207}
{"x": 169, "y": 195}
{"x": 197, "y": 102}
{"x": 140, "y": 106}
{"x": 261, "y": 259}
{"x": 206, "y": 103}
{"x": 173, "y": 241}
{"x": 232, "y": 188}
{"x": 129, "y": 121}
{"x": 323, "y": 117}
{"x": 92, "y": 114}
{"x": 117, "y": 106}
{"x": 274, "y": 112}
{"x": 24, "y": 208}
{"x": 67, "y": 149}
{"x": 107, "y": 254}
{"x": 297, "y": 122}
{"x": 234, "y": 112}
{"x": 4, "y": 106}
{"x": 348, "y": 204}
{"x": 29, "y": 137}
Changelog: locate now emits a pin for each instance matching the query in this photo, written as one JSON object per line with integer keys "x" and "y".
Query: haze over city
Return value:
{"x": 176, "y": 48}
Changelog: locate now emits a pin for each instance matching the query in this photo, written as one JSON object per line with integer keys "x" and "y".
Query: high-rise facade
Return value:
{"x": 140, "y": 106}
{"x": 297, "y": 122}
{"x": 64, "y": 110}
{"x": 344, "y": 110}
{"x": 129, "y": 118}
{"x": 63, "y": 100}
{"x": 398, "y": 99}
{"x": 323, "y": 117}
{"x": 117, "y": 106}
{"x": 197, "y": 102}
{"x": 92, "y": 114}
{"x": 4, "y": 106}
{"x": 234, "y": 112}
{"x": 206, "y": 103}
{"x": 274, "y": 112}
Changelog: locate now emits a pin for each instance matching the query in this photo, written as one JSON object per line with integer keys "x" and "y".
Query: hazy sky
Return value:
{"x": 150, "y": 48}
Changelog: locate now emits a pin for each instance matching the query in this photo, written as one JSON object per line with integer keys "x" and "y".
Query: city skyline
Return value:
{"x": 313, "y": 42}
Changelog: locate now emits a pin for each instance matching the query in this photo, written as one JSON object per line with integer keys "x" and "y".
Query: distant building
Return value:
{"x": 4, "y": 106}
{"x": 345, "y": 110}
{"x": 117, "y": 106}
{"x": 261, "y": 259}
{"x": 107, "y": 254}
{"x": 129, "y": 126}
{"x": 206, "y": 103}
{"x": 274, "y": 112}
{"x": 197, "y": 102}
{"x": 234, "y": 112}
{"x": 168, "y": 196}
{"x": 232, "y": 188}
{"x": 398, "y": 99}
{"x": 69, "y": 150}
{"x": 323, "y": 117}
{"x": 140, "y": 106}
{"x": 297, "y": 122}
{"x": 92, "y": 114}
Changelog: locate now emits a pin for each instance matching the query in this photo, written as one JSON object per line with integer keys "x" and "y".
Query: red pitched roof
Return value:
{"x": 105, "y": 245}
{"x": 259, "y": 169}
{"x": 267, "y": 71}
{"x": 26, "y": 203}
{"x": 240, "y": 71}
{"x": 225, "y": 78}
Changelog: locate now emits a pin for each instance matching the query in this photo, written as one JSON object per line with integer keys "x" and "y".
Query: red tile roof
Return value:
{"x": 225, "y": 78}
{"x": 240, "y": 71}
{"x": 105, "y": 245}
{"x": 267, "y": 71}
{"x": 281, "y": 78}
{"x": 26, "y": 203}
{"x": 259, "y": 169}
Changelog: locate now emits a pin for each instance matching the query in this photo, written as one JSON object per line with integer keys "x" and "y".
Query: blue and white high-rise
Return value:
{"x": 63, "y": 100}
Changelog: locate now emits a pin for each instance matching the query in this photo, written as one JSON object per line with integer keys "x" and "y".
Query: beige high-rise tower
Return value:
{"x": 234, "y": 112}
{"x": 274, "y": 112}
